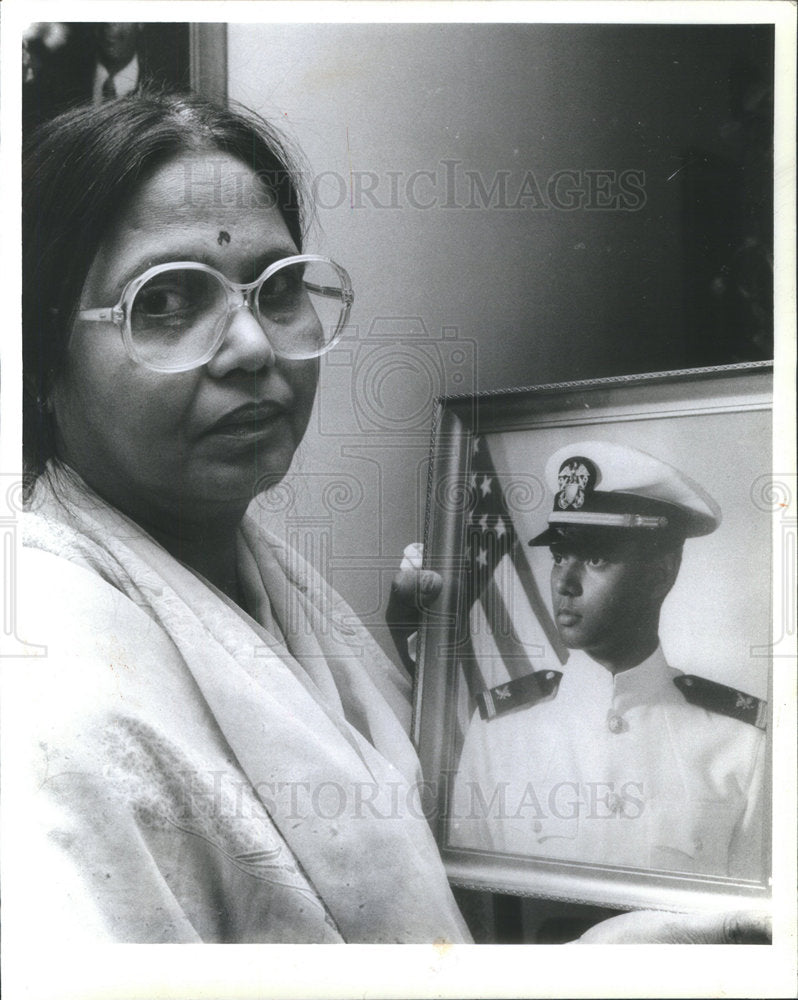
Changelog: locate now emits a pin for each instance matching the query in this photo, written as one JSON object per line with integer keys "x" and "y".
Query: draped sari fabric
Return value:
{"x": 185, "y": 772}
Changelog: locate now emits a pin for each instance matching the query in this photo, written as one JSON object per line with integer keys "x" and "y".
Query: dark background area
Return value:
{"x": 61, "y": 76}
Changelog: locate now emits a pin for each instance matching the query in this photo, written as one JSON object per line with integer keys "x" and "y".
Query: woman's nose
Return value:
{"x": 245, "y": 345}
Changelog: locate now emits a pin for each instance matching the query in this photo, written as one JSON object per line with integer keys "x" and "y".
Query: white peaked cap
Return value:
{"x": 629, "y": 483}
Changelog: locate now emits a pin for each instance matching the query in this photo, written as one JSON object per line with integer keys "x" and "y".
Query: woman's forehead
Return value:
{"x": 208, "y": 207}
{"x": 196, "y": 187}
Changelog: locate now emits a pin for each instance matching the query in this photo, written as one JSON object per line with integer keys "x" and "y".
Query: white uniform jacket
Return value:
{"x": 615, "y": 770}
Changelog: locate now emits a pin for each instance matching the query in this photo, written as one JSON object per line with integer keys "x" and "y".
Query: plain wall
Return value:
{"x": 459, "y": 289}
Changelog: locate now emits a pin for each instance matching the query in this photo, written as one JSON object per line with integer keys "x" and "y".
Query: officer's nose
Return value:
{"x": 568, "y": 577}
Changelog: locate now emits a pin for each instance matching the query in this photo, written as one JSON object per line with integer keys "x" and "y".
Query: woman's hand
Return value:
{"x": 656, "y": 927}
{"x": 412, "y": 590}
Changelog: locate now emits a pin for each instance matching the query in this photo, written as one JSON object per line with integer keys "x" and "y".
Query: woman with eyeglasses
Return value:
{"x": 218, "y": 751}
{"x": 210, "y": 749}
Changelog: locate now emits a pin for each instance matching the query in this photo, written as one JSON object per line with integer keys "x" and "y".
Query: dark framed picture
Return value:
{"x": 71, "y": 63}
{"x": 593, "y": 682}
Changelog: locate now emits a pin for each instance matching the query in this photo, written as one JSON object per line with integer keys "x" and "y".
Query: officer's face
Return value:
{"x": 602, "y": 596}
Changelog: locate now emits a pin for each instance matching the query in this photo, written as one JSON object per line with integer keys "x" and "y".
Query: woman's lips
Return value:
{"x": 249, "y": 421}
{"x": 567, "y": 616}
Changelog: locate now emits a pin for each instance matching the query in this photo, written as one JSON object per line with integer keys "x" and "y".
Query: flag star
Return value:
{"x": 475, "y": 446}
{"x": 482, "y": 558}
{"x": 473, "y": 481}
{"x": 485, "y": 487}
{"x": 483, "y": 522}
{"x": 500, "y": 528}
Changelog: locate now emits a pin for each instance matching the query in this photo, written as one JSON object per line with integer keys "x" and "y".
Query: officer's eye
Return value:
{"x": 557, "y": 557}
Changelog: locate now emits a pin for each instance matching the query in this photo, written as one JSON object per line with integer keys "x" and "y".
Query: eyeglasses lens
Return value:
{"x": 176, "y": 316}
{"x": 301, "y": 307}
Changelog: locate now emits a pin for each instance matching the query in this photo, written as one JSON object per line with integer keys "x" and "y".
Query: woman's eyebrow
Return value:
{"x": 142, "y": 264}
{"x": 258, "y": 265}
{"x": 264, "y": 260}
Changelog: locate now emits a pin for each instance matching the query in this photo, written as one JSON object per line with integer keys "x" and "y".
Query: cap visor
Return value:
{"x": 545, "y": 537}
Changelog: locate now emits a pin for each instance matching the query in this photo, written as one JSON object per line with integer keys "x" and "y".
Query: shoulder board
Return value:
{"x": 724, "y": 700}
{"x": 526, "y": 690}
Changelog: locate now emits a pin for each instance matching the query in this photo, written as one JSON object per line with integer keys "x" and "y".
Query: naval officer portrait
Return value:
{"x": 617, "y": 758}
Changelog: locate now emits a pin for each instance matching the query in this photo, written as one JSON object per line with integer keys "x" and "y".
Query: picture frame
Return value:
{"x": 496, "y": 633}
{"x": 59, "y": 61}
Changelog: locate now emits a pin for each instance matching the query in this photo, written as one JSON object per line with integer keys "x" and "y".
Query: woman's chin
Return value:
{"x": 236, "y": 486}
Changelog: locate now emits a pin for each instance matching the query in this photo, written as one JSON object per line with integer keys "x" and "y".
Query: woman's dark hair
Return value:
{"x": 79, "y": 171}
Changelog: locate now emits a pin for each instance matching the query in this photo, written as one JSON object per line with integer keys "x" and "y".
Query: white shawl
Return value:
{"x": 190, "y": 777}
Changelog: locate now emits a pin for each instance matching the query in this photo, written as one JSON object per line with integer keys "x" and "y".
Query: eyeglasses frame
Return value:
{"x": 239, "y": 295}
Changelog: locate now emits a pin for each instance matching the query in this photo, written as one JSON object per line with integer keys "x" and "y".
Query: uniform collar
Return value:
{"x": 649, "y": 682}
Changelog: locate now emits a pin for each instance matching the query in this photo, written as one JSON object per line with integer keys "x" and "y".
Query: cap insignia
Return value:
{"x": 576, "y": 480}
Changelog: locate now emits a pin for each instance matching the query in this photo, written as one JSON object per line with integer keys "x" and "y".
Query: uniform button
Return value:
{"x": 699, "y": 844}
{"x": 537, "y": 826}
{"x": 614, "y": 803}
{"x": 615, "y": 723}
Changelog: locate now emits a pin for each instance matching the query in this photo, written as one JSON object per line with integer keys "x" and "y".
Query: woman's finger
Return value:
{"x": 414, "y": 588}
{"x": 656, "y": 927}
{"x": 413, "y": 556}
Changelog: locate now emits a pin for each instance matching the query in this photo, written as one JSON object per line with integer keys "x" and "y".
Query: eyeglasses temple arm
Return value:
{"x": 346, "y": 295}
{"x": 113, "y": 315}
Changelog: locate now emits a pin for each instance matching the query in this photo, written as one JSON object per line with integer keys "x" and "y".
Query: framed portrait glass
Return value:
{"x": 593, "y": 683}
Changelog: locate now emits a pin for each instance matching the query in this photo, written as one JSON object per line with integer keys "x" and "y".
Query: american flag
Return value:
{"x": 510, "y": 633}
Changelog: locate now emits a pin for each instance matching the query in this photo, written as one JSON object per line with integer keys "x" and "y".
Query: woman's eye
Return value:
{"x": 596, "y": 562}
{"x": 164, "y": 301}
{"x": 282, "y": 287}
{"x": 557, "y": 558}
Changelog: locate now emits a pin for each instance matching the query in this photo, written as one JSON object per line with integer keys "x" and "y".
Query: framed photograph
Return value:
{"x": 71, "y": 63}
{"x": 593, "y": 681}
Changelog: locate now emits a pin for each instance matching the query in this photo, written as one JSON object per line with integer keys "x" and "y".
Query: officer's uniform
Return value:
{"x": 619, "y": 770}
{"x": 647, "y": 768}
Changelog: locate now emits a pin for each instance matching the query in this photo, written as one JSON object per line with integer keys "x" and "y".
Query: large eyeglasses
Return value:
{"x": 174, "y": 316}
